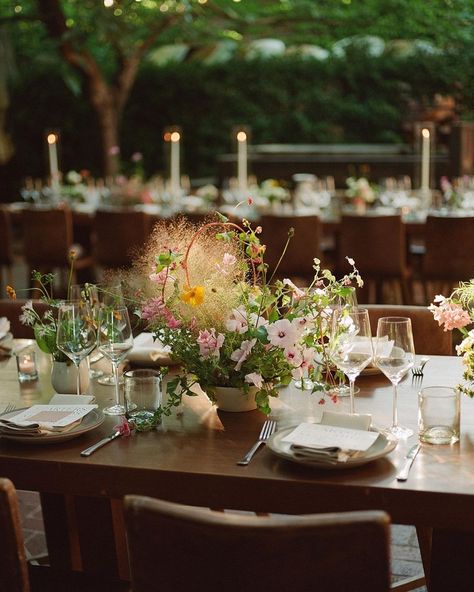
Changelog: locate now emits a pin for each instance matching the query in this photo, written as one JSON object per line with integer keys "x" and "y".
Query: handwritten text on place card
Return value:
{"x": 317, "y": 435}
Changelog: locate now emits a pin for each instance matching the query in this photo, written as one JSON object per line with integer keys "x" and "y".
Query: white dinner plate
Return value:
{"x": 91, "y": 421}
{"x": 384, "y": 444}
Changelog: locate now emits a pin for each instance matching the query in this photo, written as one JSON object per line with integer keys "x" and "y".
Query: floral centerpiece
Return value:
{"x": 360, "y": 191}
{"x": 44, "y": 325}
{"x": 272, "y": 191}
{"x": 457, "y": 312}
{"x": 205, "y": 293}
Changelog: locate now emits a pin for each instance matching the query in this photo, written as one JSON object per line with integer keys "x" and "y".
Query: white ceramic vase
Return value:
{"x": 64, "y": 375}
{"x": 234, "y": 399}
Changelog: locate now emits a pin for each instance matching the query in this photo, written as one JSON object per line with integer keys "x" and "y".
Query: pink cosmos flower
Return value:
{"x": 282, "y": 333}
{"x": 210, "y": 343}
{"x": 255, "y": 379}
{"x": 237, "y": 322}
{"x": 449, "y": 314}
{"x": 241, "y": 354}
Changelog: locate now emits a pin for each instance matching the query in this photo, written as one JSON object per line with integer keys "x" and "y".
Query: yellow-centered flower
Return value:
{"x": 193, "y": 295}
{"x": 11, "y": 293}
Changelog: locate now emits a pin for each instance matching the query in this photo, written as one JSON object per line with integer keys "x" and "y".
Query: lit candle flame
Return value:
{"x": 241, "y": 136}
{"x": 175, "y": 137}
{"x": 51, "y": 138}
{"x": 425, "y": 133}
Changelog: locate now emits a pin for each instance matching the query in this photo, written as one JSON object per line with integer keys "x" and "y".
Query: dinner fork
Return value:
{"x": 9, "y": 408}
{"x": 267, "y": 430}
{"x": 418, "y": 370}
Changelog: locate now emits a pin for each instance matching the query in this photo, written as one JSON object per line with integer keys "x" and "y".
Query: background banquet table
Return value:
{"x": 191, "y": 459}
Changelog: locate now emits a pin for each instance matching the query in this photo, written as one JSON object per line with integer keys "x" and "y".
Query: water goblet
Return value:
{"x": 90, "y": 294}
{"x": 394, "y": 356}
{"x": 350, "y": 343}
{"x": 76, "y": 334}
{"x": 115, "y": 341}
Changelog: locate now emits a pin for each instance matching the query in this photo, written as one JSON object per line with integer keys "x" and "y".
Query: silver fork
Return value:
{"x": 267, "y": 430}
{"x": 9, "y": 408}
{"x": 418, "y": 370}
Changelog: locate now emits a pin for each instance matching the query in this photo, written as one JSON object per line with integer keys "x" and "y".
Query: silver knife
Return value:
{"x": 409, "y": 458}
{"x": 99, "y": 444}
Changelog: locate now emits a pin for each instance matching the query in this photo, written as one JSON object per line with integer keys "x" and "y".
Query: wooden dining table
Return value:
{"x": 191, "y": 459}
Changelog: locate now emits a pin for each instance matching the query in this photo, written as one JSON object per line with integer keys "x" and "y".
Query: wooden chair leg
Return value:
{"x": 424, "y": 535}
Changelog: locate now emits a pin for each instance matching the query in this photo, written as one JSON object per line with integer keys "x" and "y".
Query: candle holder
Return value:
{"x": 26, "y": 366}
{"x": 52, "y": 144}
{"x": 172, "y": 137}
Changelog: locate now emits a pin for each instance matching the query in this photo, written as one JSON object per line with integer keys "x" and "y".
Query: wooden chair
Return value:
{"x": 449, "y": 254}
{"x": 11, "y": 309}
{"x": 303, "y": 247}
{"x": 176, "y": 548}
{"x": 378, "y": 246}
{"x": 13, "y": 566}
{"x": 428, "y": 336}
{"x": 6, "y": 246}
{"x": 48, "y": 241}
{"x": 118, "y": 234}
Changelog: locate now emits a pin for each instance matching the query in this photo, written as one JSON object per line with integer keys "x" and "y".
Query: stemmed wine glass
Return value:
{"x": 90, "y": 294}
{"x": 76, "y": 334}
{"x": 109, "y": 296}
{"x": 115, "y": 341}
{"x": 395, "y": 355}
{"x": 350, "y": 344}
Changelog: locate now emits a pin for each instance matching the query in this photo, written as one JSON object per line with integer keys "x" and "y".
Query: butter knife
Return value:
{"x": 99, "y": 444}
{"x": 409, "y": 458}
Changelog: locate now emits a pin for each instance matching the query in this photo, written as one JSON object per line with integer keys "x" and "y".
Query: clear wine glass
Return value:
{"x": 350, "y": 343}
{"x": 76, "y": 335}
{"x": 115, "y": 341}
{"x": 109, "y": 296}
{"x": 395, "y": 355}
{"x": 90, "y": 294}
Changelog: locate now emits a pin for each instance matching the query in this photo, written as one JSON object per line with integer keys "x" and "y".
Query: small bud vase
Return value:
{"x": 233, "y": 399}
{"x": 64, "y": 375}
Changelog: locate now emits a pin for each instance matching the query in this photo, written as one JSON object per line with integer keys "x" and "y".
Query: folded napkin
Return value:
{"x": 145, "y": 351}
{"x": 41, "y": 420}
{"x": 330, "y": 444}
{"x": 4, "y": 327}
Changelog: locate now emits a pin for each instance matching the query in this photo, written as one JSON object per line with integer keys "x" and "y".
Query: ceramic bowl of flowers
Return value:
{"x": 205, "y": 294}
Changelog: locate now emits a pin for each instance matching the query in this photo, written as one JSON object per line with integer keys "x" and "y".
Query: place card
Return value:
{"x": 51, "y": 417}
{"x": 314, "y": 435}
{"x": 59, "y": 399}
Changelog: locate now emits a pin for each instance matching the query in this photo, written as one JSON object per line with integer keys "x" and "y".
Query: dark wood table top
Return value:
{"x": 191, "y": 458}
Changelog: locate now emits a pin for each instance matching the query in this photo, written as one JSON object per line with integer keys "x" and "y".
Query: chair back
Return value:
{"x": 118, "y": 234}
{"x": 172, "y": 547}
{"x": 303, "y": 247}
{"x": 449, "y": 243}
{"x": 428, "y": 336}
{"x": 47, "y": 237}
{"x": 6, "y": 243}
{"x": 11, "y": 309}
{"x": 13, "y": 567}
{"x": 376, "y": 243}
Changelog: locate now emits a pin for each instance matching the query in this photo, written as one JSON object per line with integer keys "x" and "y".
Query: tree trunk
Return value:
{"x": 109, "y": 124}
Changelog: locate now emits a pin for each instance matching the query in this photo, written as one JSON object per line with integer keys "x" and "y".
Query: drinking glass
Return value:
{"x": 109, "y": 296}
{"x": 394, "y": 356}
{"x": 350, "y": 343}
{"x": 115, "y": 341}
{"x": 90, "y": 294}
{"x": 76, "y": 335}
